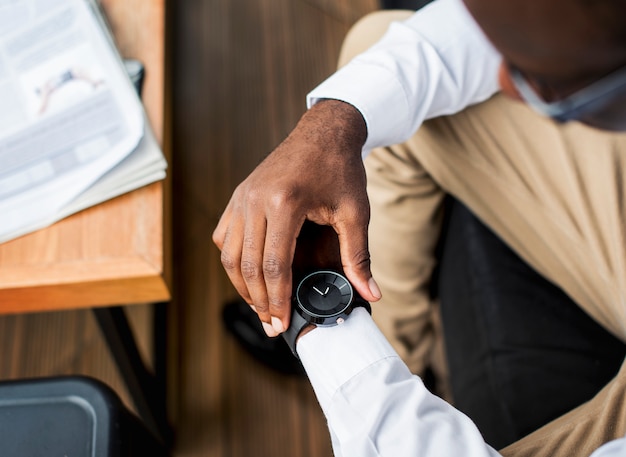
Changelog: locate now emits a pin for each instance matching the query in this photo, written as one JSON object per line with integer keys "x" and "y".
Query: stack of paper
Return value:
{"x": 73, "y": 131}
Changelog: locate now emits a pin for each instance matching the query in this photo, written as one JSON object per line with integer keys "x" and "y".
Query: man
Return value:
{"x": 549, "y": 52}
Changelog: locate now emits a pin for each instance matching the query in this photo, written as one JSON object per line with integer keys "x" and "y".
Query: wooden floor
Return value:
{"x": 241, "y": 69}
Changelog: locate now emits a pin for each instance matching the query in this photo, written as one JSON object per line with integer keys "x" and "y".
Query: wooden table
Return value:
{"x": 115, "y": 253}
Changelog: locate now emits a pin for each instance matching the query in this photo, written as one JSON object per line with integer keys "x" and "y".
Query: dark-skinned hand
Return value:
{"x": 315, "y": 175}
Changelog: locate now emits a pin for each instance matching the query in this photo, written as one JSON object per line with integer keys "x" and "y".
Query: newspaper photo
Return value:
{"x": 68, "y": 111}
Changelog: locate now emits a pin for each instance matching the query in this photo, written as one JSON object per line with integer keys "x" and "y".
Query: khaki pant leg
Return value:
{"x": 367, "y": 31}
{"x": 404, "y": 229}
{"x": 406, "y": 208}
{"x": 556, "y": 195}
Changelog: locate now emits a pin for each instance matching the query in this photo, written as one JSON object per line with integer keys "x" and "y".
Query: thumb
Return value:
{"x": 355, "y": 260}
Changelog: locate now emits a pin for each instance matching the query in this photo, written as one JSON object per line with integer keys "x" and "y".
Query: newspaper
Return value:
{"x": 68, "y": 111}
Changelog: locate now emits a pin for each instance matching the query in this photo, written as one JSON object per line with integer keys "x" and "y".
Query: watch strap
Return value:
{"x": 358, "y": 301}
{"x": 295, "y": 327}
{"x": 298, "y": 323}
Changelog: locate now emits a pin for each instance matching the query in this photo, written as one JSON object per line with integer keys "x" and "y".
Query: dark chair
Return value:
{"x": 70, "y": 416}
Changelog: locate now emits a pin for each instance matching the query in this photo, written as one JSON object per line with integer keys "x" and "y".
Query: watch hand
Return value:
{"x": 319, "y": 291}
{"x": 326, "y": 291}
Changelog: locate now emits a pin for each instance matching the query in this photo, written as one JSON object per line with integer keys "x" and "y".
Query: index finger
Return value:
{"x": 280, "y": 245}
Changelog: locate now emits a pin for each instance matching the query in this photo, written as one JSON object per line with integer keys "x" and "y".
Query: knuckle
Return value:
{"x": 262, "y": 309}
{"x": 239, "y": 191}
{"x": 253, "y": 196}
{"x": 279, "y": 304}
{"x": 283, "y": 199}
{"x": 250, "y": 271}
{"x": 228, "y": 262}
{"x": 273, "y": 268}
{"x": 358, "y": 212}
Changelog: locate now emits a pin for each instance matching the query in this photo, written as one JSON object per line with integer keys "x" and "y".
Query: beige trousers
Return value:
{"x": 555, "y": 194}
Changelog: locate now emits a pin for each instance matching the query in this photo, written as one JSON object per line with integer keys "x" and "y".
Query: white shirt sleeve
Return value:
{"x": 374, "y": 405}
{"x": 615, "y": 448}
{"x": 435, "y": 63}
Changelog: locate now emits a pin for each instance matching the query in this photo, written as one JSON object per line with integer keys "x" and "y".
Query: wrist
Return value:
{"x": 323, "y": 298}
{"x": 304, "y": 331}
{"x": 336, "y": 123}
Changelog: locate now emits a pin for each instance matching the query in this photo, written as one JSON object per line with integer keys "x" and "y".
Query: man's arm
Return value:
{"x": 373, "y": 404}
{"x": 316, "y": 174}
{"x": 435, "y": 63}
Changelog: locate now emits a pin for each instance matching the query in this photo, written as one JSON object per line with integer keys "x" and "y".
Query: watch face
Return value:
{"x": 324, "y": 294}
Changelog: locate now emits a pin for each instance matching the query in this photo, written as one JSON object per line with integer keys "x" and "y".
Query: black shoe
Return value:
{"x": 245, "y": 326}
{"x": 403, "y": 4}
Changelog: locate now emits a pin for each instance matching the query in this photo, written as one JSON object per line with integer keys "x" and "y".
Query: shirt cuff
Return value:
{"x": 332, "y": 356}
{"x": 385, "y": 94}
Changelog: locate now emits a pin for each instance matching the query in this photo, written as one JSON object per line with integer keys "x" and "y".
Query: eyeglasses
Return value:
{"x": 588, "y": 102}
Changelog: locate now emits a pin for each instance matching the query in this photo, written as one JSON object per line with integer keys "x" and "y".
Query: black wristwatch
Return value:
{"x": 324, "y": 298}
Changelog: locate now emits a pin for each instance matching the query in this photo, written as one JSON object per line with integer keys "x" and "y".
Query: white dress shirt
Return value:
{"x": 435, "y": 63}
